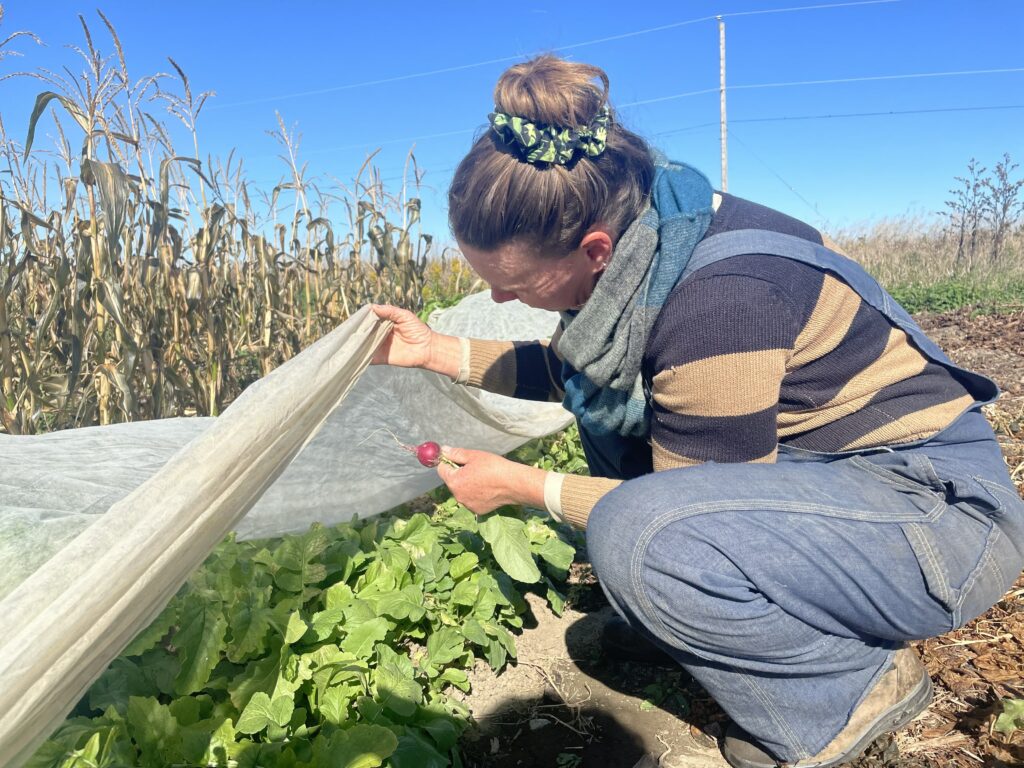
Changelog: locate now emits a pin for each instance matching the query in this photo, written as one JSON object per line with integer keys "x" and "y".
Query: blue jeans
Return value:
{"x": 784, "y": 589}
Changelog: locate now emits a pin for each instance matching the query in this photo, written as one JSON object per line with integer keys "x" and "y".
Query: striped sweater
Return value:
{"x": 751, "y": 352}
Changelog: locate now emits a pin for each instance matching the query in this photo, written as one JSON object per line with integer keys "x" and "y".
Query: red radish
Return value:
{"x": 428, "y": 454}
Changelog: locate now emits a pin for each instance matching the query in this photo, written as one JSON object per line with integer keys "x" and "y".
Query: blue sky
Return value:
{"x": 353, "y": 77}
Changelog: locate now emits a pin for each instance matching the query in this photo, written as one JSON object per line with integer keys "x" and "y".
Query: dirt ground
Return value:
{"x": 563, "y": 705}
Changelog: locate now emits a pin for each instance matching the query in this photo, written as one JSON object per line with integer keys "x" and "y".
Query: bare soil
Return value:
{"x": 561, "y": 704}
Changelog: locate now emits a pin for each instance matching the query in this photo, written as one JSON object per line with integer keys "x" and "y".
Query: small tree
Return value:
{"x": 1002, "y": 205}
{"x": 965, "y": 211}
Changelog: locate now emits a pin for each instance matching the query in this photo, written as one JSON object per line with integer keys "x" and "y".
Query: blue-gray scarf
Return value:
{"x": 603, "y": 343}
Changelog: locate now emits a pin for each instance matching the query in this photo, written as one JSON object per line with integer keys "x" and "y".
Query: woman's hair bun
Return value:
{"x": 553, "y": 91}
{"x": 580, "y": 168}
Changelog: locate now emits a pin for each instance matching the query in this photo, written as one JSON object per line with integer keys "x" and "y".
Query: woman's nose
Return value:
{"x": 499, "y": 296}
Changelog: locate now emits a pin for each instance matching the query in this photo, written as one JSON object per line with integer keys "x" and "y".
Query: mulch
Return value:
{"x": 977, "y": 666}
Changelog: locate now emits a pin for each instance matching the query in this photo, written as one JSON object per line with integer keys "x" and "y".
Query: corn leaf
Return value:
{"x": 42, "y": 100}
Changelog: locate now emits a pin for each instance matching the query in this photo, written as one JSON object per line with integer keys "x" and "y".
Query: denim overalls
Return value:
{"x": 785, "y": 588}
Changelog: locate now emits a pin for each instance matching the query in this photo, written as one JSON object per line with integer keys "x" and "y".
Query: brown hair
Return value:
{"x": 497, "y": 198}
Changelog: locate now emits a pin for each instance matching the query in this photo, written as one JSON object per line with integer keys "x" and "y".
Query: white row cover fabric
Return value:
{"x": 99, "y": 527}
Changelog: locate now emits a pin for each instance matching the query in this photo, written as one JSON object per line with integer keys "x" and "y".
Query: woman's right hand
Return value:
{"x": 412, "y": 344}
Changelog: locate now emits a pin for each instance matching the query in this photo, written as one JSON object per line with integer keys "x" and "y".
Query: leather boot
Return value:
{"x": 900, "y": 695}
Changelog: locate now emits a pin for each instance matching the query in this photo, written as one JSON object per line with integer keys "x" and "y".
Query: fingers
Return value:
{"x": 448, "y": 454}
{"x": 407, "y": 345}
{"x": 446, "y": 472}
{"x": 458, "y": 455}
{"x": 392, "y": 313}
{"x": 477, "y": 480}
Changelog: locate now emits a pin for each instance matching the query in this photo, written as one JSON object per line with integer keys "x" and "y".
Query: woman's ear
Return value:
{"x": 597, "y": 246}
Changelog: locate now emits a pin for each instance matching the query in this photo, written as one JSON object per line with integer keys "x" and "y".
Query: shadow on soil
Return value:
{"x": 586, "y": 711}
{"x": 564, "y": 705}
{"x": 548, "y": 733}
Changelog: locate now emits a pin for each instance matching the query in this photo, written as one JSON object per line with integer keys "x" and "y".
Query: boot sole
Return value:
{"x": 892, "y": 720}
{"x": 897, "y": 717}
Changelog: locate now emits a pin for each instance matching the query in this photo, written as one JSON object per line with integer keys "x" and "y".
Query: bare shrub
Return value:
{"x": 1002, "y": 205}
{"x": 985, "y": 213}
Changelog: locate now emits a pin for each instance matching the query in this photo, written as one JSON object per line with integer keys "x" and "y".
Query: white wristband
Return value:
{"x": 463, "y": 376}
{"x": 553, "y": 494}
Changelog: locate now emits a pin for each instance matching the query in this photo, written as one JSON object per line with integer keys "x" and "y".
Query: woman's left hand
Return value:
{"x": 485, "y": 481}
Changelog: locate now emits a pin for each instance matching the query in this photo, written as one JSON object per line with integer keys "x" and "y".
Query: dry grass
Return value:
{"x": 907, "y": 252}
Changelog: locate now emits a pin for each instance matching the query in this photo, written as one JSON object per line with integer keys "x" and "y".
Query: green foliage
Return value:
{"x": 665, "y": 691}
{"x": 507, "y": 537}
{"x": 335, "y": 647}
{"x": 1012, "y": 717}
{"x": 954, "y": 293}
{"x": 431, "y": 306}
{"x": 562, "y": 452}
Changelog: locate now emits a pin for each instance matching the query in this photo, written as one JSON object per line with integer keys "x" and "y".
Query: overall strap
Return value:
{"x": 742, "y": 242}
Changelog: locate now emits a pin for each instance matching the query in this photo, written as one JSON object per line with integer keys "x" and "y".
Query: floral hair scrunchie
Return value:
{"x": 542, "y": 143}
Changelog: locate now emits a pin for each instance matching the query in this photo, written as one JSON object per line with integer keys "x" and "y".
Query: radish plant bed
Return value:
{"x": 338, "y": 647}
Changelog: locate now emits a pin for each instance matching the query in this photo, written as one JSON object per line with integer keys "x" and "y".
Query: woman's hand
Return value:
{"x": 412, "y": 344}
{"x": 485, "y": 481}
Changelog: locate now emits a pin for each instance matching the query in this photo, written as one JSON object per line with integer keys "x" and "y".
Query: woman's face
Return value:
{"x": 515, "y": 272}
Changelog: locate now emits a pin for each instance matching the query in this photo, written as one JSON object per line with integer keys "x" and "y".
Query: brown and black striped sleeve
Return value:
{"x": 529, "y": 370}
